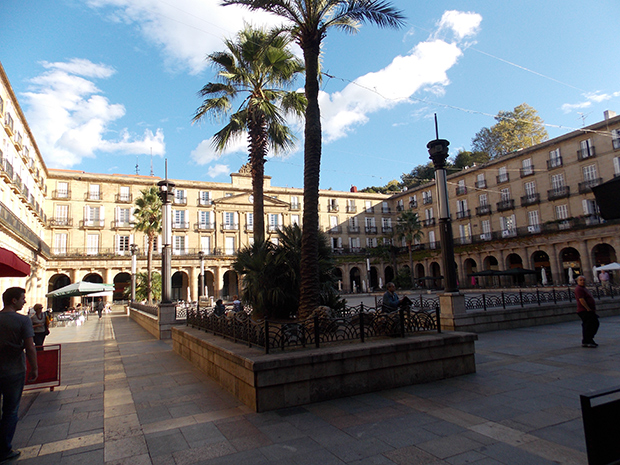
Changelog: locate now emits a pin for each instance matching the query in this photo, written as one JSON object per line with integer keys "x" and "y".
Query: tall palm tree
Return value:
{"x": 309, "y": 21}
{"x": 258, "y": 64}
{"x": 409, "y": 228}
{"x": 147, "y": 219}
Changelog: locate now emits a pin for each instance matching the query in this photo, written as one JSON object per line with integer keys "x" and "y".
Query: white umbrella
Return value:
{"x": 380, "y": 282}
{"x": 543, "y": 276}
{"x": 571, "y": 276}
{"x": 609, "y": 267}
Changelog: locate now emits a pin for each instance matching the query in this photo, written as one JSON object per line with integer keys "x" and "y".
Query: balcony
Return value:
{"x": 527, "y": 171}
{"x": 554, "y": 163}
{"x": 530, "y": 199}
{"x": 18, "y": 142}
{"x": 124, "y": 198}
{"x": 461, "y": 190}
{"x": 509, "y": 233}
{"x": 386, "y": 210}
{"x": 502, "y": 178}
{"x": 180, "y": 225}
{"x": 483, "y": 210}
{"x": 8, "y": 124}
{"x": 180, "y": 201}
{"x": 351, "y": 209}
{"x": 558, "y": 193}
{"x": 503, "y": 205}
{"x": 230, "y": 227}
{"x": 274, "y": 227}
{"x": 587, "y": 186}
{"x": 400, "y": 208}
{"x": 332, "y": 208}
{"x": 427, "y": 200}
{"x": 584, "y": 154}
{"x": 61, "y": 195}
{"x": 335, "y": 230}
{"x": 122, "y": 224}
{"x": 92, "y": 224}
{"x": 463, "y": 214}
{"x": 353, "y": 229}
{"x": 371, "y": 230}
{"x": 204, "y": 226}
{"x": 369, "y": 209}
{"x": 616, "y": 143}
{"x": 387, "y": 229}
{"x": 481, "y": 184}
{"x": 61, "y": 222}
{"x": 208, "y": 202}
{"x": 94, "y": 196}
{"x": 429, "y": 222}
{"x": 592, "y": 220}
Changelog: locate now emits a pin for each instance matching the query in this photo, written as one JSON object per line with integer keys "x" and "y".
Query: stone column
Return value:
{"x": 558, "y": 274}
{"x": 586, "y": 261}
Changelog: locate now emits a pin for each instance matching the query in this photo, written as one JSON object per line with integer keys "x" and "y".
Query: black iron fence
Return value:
{"x": 323, "y": 327}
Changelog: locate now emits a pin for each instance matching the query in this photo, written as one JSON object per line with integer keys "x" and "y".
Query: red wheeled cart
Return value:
{"x": 48, "y": 359}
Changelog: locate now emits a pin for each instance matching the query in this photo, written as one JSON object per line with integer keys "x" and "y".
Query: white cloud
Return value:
{"x": 218, "y": 170}
{"x": 71, "y": 118}
{"x": 205, "y": 153}
{"x": 590, "y": 99}
{"x": 185, "y": 30}
{"x": 423, "y": 69}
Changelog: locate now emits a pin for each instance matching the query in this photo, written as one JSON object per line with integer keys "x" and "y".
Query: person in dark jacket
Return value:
{"x": 586, "y": 309}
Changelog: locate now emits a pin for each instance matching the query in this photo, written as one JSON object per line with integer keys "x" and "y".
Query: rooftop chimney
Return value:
{"x": 353, "y": 188}
{"x": 608, "y": 114}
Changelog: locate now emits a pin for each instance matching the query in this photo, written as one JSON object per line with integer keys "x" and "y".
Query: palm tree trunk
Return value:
{"x": 258, "y": 150}
{"x": 411, "y": 265}
{"x": 310, "y": 285}
{"x": 149, "y": 265}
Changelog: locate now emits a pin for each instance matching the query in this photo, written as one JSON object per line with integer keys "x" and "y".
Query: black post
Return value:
{"x": 166, "y": 193}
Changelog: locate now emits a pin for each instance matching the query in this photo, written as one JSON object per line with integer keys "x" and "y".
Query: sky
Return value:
{"x": 110, "y": 84}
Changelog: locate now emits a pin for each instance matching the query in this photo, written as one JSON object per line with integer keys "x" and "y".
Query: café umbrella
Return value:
{"x": 80, "y": 288}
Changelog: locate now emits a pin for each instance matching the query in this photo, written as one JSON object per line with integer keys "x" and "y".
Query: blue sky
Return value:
{"x": 105, "y": 83}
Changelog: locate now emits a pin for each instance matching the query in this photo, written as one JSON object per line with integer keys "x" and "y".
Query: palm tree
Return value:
{"x": 309, "y": 21}
{"x": 147, "y": 219}
{"x": 256, "y": 64}
{"x": 409, "y": 228}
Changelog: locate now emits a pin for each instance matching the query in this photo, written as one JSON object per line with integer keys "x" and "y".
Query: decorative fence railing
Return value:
{"x": 354, "y": 323}
{"x": 503, "y": 299}
{"x": 150, "y": 309}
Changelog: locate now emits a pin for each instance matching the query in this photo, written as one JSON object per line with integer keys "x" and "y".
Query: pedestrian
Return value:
{"x": 390, "y": 299}
{"x": 586, "y": 309}
{"x": 220, "y": 308}
{"x": 237, "y": 307}
{"x": 40, "y": 325}
{"x": 604, "y": 278}
{"x": 16, "y": 334}
{"x": 99, "y": 306}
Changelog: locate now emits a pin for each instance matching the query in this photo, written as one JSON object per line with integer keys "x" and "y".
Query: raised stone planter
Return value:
{"x": 297, "y": 377}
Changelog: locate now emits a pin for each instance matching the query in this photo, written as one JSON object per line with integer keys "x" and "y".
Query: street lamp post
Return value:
{"x": 166, "y": 193}
{"x": 134, "y": 250}
{"x": 201, "y": 278}
{"x": 438, "y": 151}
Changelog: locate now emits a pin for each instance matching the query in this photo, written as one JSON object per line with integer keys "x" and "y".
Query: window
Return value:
{"x": 400, "y": 205}
{"x": 156, "y": 244}
{"x": 332, "y": 205}
{"x": 615, "y": 138}
{"x": 555, "y": 159}
{"x": 94, "y": 192}
{"x": 336, "y": 243}
{"x": 354, "y": 243}
{"x": 486, "y": 227}
{"x": 413, "y": 201}
{"x": 204, "y": 220}
{"x": 205, "y": 244}
{"x": 371, "y": 242}
{"x": 295, "y": 219}
{"x": 427, "y": 197}
{"x": 530, "y": 189}
{"x": 178, "y": 245}
{"x": 122, "y": 244}
{"x": 508, "y": 225}
{"x": 461, "y": 205}
{"x": 484, "y": 200}
{"x": 589, "y": 173}
{"x": 249, "y": 221}
{"x": 274, "y": 222}
{"x": 179, "y": 197}
{"x": 461, "y": 188}
{"x": 333, "y": 223}
{"x": 431, "y": 240}
{"x": 204, "y": 198}
{"x": 124, "y": 194}
{"x": 532, "y": 218}
{"x": 62, "y": 190}
{"x": 505, "y": 193}
{"x": 385, "y": 208}
{"x": 526, "y": 167}
{"x": 123, "y": 217}
{"x": 60, "y": 244}
{"x": 481, "y": 183}
{"x": 180, "y": 219}
{"x": 229, "y": 245}
{"x": 586, "y": 150}
{"x": 351, "y": 207}
{"x": 465, "y": 232}
{"x": 561, "y": 212}
{"x": 386, "y": 225}
{"x": 294, "y": 203}
{"x": 557, "y": 181}
{"x": 93, "y": 216}
{"x": 616, "y": 167}
{"x": 503, "y": 175}
{"x": 229, "y": 219}
{"x": 92, "y": 244}
{"x": 62, "y": 215}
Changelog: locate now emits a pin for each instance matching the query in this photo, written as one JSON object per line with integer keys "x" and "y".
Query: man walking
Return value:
{"x": 16, "y": 334}
{"x": 586, "y": 309}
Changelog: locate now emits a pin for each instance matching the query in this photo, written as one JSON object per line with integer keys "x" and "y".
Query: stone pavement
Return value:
{"x": 126, "y": 398}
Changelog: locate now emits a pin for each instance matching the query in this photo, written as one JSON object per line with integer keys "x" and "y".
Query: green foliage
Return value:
{"x": 142, "y": 287}
{"x": 514, "y": 130}
{"x": 404, "y": 278}
{"x": 271, "y": 275}
{"x": 389, "y": 188}
{"x": 466, "y": 159}
{"x": 148, "y": 219}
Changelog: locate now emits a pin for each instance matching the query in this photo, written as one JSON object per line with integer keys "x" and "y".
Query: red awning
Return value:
{"x": 11, "y": 266}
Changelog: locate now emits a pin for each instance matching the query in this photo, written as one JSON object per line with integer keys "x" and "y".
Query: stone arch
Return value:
{"x": 389, "y": 274}
{"x": 470, "y": 266}
{"x": 231, "y": 284}
{"x": 540, "y": 261}
{"x": 602, "y": 254}
{"x": 570, "y": 259}
{"x": 513, "y": 261}
{"x": 93, "y": 278}
{"x": 374, "y": 278}
{"x": 419, "y": 273}
{"x": 435, "y": 272}
{"x": 490, "y": 263}
{"x": 338, "y": 277}
{"x": 210, "y": 283}
{"x": 355, "y": 279}
{"x": 58, "y": 304}
{"x": 180, "y": 282}
{"x": 122, "y": 281}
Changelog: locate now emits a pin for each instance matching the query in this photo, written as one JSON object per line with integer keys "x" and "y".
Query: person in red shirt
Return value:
{"x": 586, "y": 309}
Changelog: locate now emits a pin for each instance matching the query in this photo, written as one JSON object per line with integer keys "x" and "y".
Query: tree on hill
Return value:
{"x": 514, "y": 130}
{"x": 308, "y": 22}
{"x": 390, "y": 187}
{"x": 257, "y": 64}
{"x": 466, "y": 159}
